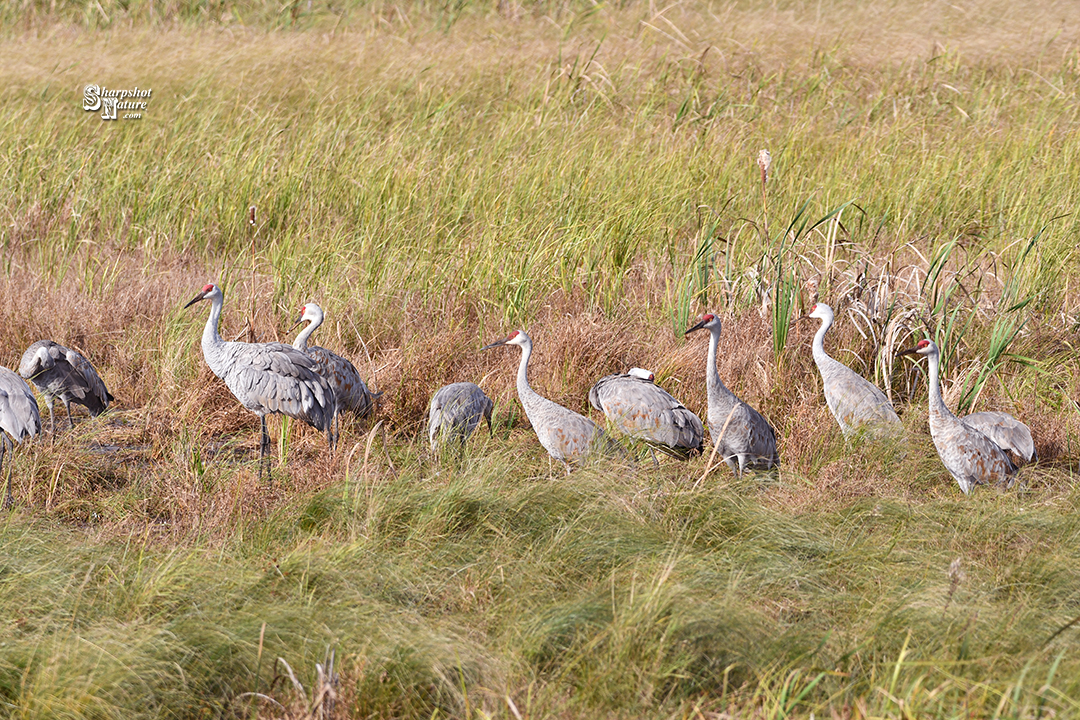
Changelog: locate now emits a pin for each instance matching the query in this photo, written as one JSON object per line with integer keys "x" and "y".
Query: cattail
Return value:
{"x": 764, "y": 161}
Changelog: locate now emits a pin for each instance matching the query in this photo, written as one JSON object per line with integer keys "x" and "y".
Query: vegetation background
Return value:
{"x": 436, "y": 174}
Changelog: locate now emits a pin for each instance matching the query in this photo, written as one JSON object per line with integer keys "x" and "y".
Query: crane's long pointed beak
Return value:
{"x": 696, "y": 327}
{"x": 497, "y": 343}
{"x": 299, "y": 321}
{"x": 909, "y": 351}
{"x": 197, "y": 298}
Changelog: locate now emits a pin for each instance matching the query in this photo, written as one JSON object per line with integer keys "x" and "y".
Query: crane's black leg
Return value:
{"x": 264, "y": 449}
{"x": 8, "y": 499}
{"x": 52, "y": 418}
{"x": 67, "y": 406}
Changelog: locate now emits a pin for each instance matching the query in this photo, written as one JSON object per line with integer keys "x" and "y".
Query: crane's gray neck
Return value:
{"x": 712, "y": 378}
{"x": 524, "y": 391}
{"x": 819, "y": 340}
{"x": 300, "y": 343}
{"x": 937, "y": 403}
{"x": 212, "y": 344}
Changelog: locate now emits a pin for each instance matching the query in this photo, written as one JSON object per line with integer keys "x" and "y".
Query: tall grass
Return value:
{"x": 436, "y": 174}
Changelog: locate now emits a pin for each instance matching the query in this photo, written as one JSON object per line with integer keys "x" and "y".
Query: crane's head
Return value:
{"x": 209, "y": 292}
{"x": 517, "y": 337}
{"x": 925, "y": 347}
{"x": 821, "y": 311}
{"x": 708, "y": 321}
{"x": 310, "y": 313}
{"x": 641, "y": 373}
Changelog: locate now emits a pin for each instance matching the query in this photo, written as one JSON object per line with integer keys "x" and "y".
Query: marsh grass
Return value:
{"x": 435, "y": 176}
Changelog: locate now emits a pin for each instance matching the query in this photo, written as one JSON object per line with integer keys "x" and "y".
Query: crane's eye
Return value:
{"x": 923, "y": 344}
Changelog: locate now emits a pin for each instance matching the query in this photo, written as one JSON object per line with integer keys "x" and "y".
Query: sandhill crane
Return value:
{"x": 854, "y": 401}
{"x": 59, "y": 372}
{"x": 566, "y": 435}
{"x": 350, "y": 392}
{"x": 455, "y": 411}
{"x": 743, "y": 437}
{"x": 970, "y": 456}
{"x": 644, "y": 411}
{"x": 19, "y": 418}
{"x": 267, "y": 377}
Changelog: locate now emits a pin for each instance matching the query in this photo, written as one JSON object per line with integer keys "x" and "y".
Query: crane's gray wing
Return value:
{"x": 645, "y": 411}
{"x": 854, "y": 400}
{"x": 277, "y": 378}
{"x": 350, "y": 391}
{"x": 1005, "y": 431}
{"x": 19, "y": 416}
{"x": 84, "y": 384}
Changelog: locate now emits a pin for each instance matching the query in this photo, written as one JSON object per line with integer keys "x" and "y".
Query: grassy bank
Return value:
{"x": 434, "y": 176}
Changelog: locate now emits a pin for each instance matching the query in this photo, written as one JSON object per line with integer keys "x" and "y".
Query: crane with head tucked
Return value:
{"x": 969, "y": 454}
{"x": 60, "y": 372}
{"x": 455, "y": 411}
{"x": 19, "y": 418}
{"x": 854, "y": 401}
{"x": 267, "y": 378}
{"x": 350, "y": 392}
{"x": 742, "y": 436}
{"x": 645, "y": 411}
{"x": 567, "y": 436}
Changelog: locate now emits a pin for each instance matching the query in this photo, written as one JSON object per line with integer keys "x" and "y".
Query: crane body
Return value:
{"x": 60, "y": 372}
{"x": 350, "y": 392}
{"x": 644, "y": 411}
{"x": 567, "y": 436}
{"x": 455, "y": 411}
{"x": 742, "y": 436}
{"x": 970, "y": 456}
{"x": 19, "y": 418}
{"x": 267, "y": 378}
{"x": 854, "y": 401}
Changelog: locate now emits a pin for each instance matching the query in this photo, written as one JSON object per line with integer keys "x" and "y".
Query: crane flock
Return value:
{"x": 316, "y": 385}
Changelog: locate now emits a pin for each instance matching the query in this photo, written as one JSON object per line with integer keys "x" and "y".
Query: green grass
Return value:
{"x": 435, "y": 175}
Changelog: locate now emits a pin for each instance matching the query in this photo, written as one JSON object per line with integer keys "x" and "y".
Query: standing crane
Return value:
{"x": 854, "y": 401}
{"x": 566, "y": 435}
{"x": 644, "y": 411}
{"x": 267, "y": 377}
{"x": 19, "y": 418}
{"x": 60, "y": 372}
{"x": 742, "y": 436}
{"x": 970, "y": 456}
{"x": 455, "y": 411}
{"x": 350, "y": 392}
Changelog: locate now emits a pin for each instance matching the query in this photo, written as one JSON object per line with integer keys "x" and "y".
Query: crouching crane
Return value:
{"x": 567, "y": 436}
{"x": 267, "y": 378}
{"x": 969, "y": 454}
{"x": 454, "y": 413}
{"x": 742, "y": 436}
{"x": 60, "y": 372}
{"x": 646, "y": 412}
